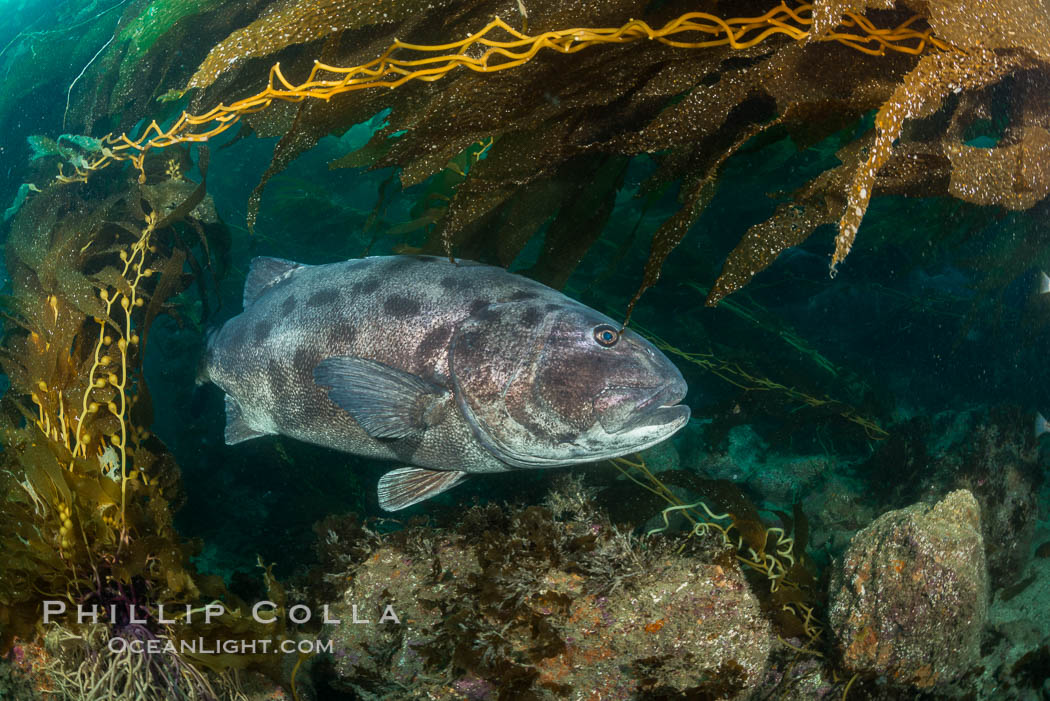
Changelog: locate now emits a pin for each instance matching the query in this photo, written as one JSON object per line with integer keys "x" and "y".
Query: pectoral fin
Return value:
{"x": 237, "y": 429}
{"x": 406, "y": 486}
{"x": 385, "y": 401}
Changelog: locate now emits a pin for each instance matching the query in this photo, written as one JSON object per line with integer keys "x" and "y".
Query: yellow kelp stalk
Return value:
{"x": 433, "y": 62}
{"x": 107, "y": 390}
{"x": 129, "y": 297}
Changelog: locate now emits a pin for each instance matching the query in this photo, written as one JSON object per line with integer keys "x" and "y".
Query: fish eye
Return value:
{"x": 606, "y": 336}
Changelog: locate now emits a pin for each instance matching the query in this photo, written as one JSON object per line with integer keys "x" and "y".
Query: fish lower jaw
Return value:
{"x": 639, "y": 438}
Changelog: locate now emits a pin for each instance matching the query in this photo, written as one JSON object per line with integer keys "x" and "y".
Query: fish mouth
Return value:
{"x": 626, "y": 409}
{"x": 666, "y": 397}
{"x": 661, "y": 408}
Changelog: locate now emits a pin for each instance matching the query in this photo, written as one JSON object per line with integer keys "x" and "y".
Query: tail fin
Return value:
{"x": 1044, "y": 283}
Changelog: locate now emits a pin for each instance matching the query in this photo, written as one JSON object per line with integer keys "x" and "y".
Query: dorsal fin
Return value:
{"x": 265, "y": 272}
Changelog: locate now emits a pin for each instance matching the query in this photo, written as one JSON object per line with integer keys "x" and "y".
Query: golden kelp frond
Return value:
{"x": 984, "y": 31}
{"x": 146, "y": 49}
{"x": 140, "y": 34}
{"x": 562, "y": 102}
{"x": 1003, "y": 25}
{"x": 920, "y": 94}
{"x": 1015, "y": 176}
{"x": 1012, "y": 174}
{"x": 293, "y": 22}
{"x": 501, "y": 47}
{"x": 816, "y": 204}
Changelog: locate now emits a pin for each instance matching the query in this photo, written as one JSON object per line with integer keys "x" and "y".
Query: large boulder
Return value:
{"x": 910, "y": 597}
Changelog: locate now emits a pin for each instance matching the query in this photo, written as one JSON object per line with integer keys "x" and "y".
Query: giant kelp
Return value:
{"x": 87, "y": 491}
{"x": 690, "y": 99}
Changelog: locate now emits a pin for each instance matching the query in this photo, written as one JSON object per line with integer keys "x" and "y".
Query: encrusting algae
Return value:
{"x": 542, "y": 602}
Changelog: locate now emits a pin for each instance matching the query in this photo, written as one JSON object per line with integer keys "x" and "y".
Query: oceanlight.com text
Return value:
{"x": 200, "y": 646}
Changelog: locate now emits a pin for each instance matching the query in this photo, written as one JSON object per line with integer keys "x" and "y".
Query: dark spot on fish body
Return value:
{"x": 399, "y": 264}
{"x": 552, "y": 307}
{"x": 323, "y": 298}
{"x": 434, "y": 343}
{"x": 365, "y": 287}
{"x": 531, "y": 316}
{"x": 339, "y": 337}
{"x": 477, "y": 305}
{"x": 451, "y": 282}
{"x": 522, "y": 295}
{"x": 288, "y": 305}
{"x": 262, "y": 330}
{"x": 405, "y": 448}
{"x": 400, "y": 306}
{"x": 275, "y": 376}
{"x": 427, "y": 259}
{"x": 304, "y": 361}
{"x": 305, "y": 399}
{"x": 468, "y": 346}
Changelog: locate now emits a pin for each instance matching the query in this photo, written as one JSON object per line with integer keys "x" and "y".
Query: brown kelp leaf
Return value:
{"x": 294, "y": 22}
{"x": 706, "y": 106}
{"x": 139, "y": 34}
{"x": 996, "y": 24}
{"x": 916, "y": 169}
{"x": 791, "y": 224}
{"x": 1014, "y": 176}
{"x": 523, "y": 215}
{"x": 936, "y": 76}
{"x": 313, "y": 120}
{"x": 762, "y": 243}
{"x": 169, "y": 284}
{"x": 828, "y": 14}
{"x": 667, "y": 238}
{"x": 589, "y": 187}
{"x": 377, "y": 147}
{"x": 514, "y": 160}
{"x": 671, "y": 232}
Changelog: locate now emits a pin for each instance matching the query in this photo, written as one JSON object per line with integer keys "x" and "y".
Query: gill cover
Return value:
{"x": 492, "y": 361}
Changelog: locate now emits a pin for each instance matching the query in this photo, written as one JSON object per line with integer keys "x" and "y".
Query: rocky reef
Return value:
{"x": 545, "y": 601}
{"x": 911, "y": 597}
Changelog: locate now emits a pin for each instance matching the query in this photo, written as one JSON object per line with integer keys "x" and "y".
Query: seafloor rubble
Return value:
{"x": 561, "y": 600}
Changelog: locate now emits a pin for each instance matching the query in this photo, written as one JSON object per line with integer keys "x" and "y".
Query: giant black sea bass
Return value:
{"x": 447, "y": 368}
